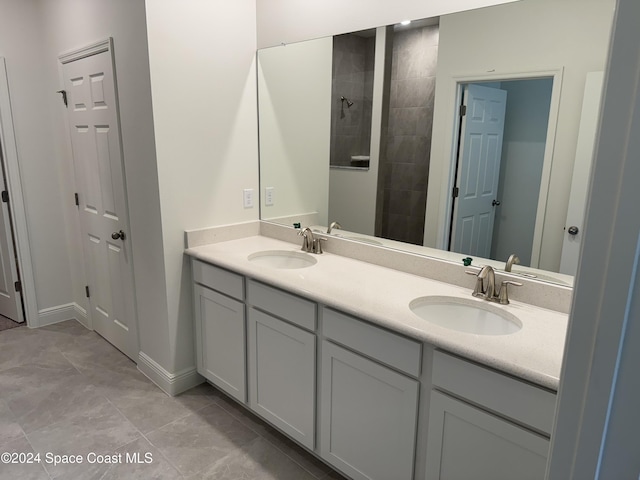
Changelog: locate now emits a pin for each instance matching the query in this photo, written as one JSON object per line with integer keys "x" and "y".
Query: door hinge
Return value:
{"x": 18, "y": 286}
{"x": 86, "y": 290}
{"x": 64, "y": 97}
{"x": 463, "y": 110}
{"x": 5, "y": 196}
{"x": 456, "y": 192}
{"x": 77, "y": 199}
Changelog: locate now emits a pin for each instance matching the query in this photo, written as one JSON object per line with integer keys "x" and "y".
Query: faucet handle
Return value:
{"x": 317, "y": 245}
{"x": 504, "y": 291}
{"x": 478, "y": 289}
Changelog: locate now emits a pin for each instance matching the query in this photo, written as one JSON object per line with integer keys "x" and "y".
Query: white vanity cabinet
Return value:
{"x": 220, "y": 328}
{"x": 282, "y": 360}
{"x": 485, "y": 425}
{"x": 368, "y": 414}
{"x": 373, "y": 403}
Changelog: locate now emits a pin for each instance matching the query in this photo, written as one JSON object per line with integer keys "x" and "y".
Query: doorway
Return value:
{"x": 505, "y": 174}
{"x": 17, "y": 289}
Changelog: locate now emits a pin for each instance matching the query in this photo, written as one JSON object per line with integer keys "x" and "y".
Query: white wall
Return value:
{"x": 526, "y": 35}
{"x": 597, "y": 427}
{"x": 294, "y": 105}
{"x": 21, "y": 42}
{"x": 287, "y": 21}
{"x": 525, "y": 135}
{"x": 203, "y": 83}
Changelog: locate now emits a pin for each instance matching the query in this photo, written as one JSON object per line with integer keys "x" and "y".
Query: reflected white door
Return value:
{"x": 97, "y": 155}
{"x": 10, "y": 298}
{"x": 581, "y": 173}
{"x": 478, "y": 170}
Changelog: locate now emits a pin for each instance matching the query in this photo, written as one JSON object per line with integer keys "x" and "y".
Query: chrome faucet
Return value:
{"x": 511, "y": 261}
{"x": 487, "y": 279}
{"x": 307, "y": 239}
{"x": 486, "y": 286}
{"x": 310, "y": 244}
{"x": 332, "y": 226}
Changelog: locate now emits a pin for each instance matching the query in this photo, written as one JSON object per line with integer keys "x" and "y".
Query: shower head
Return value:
{"x": 345, "y": 99}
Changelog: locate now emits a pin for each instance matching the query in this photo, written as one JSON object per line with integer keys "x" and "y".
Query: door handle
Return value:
{"x": 573, "y": 230}
{"x": 495, "y": 203}
{"x": 118, "y": 235}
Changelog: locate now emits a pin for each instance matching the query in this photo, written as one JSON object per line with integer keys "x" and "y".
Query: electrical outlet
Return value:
{"x": 247, "y": 197}
{"x": 269, "y": 195}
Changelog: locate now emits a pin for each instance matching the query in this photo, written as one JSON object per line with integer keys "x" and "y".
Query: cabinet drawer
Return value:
{"x": 507, "y": 396}
{"x": 218, "y": 279}
{"x": 281, "y": 304}
{"x": 396, "y": 351}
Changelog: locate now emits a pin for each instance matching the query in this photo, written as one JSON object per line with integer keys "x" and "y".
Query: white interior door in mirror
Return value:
{"x": 581, "y": 173}
{"x": 478, "y": 170}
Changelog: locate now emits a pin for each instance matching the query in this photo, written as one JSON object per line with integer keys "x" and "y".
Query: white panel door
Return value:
{"x": 581, "y": 173}
{"x": 10, "y": 300}
{"x": 97, "y": 154}
{"x": 478, "y": 170}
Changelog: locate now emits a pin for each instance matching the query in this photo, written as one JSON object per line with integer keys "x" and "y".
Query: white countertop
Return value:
{"x": 382, "y": 296}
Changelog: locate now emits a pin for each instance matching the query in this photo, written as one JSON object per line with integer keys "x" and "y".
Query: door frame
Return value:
{"x": 456, "y": 84}
{"x": 105, "y": 45}
{"x": 17, "y": 205}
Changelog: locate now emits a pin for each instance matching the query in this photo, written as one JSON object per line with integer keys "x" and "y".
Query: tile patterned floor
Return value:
{"x": 66, "y": 391}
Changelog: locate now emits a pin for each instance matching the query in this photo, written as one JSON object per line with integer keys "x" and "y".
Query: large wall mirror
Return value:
{"x": 468, "y": 135}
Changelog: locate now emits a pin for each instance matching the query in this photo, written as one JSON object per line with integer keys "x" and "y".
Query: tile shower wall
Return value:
{"x": 352, "y": 77}
{"x": 405, "y": 160}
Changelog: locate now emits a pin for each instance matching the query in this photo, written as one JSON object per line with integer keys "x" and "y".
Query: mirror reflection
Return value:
{"x": 448, "y": 137}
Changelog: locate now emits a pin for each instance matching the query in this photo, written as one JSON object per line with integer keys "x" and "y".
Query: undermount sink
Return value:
{"x": 465, "y": 315}
{"x": 282, "y": 259}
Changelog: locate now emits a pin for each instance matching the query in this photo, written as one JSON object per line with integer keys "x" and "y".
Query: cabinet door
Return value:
{"x": 282, "y": 371}
{"x": 368, "y": 417}
{"x": 220, "y": 342}
{"x": 466, "y": 442}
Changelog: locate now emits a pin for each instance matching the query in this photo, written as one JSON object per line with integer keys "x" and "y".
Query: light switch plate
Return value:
{"x": 269, "y": 195}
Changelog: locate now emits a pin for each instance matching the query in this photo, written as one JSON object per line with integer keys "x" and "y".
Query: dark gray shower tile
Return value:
{"x": 430, "y": 35}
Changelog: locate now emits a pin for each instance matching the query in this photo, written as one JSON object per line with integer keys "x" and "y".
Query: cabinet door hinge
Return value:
{"x": 77, "y": 199}
{"x": 86, "y": 289}
{"x": 456, "y": 192}
{"x": 64, "y": 96}
{"x": 5, "y": 196}
{"x": 18, "y": 286}
{"x": 463, "y": 110}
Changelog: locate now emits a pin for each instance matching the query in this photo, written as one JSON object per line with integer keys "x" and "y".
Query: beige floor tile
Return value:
{"x": 198, "y": 440}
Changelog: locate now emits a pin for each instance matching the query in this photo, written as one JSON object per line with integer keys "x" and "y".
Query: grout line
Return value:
{"x": 279, "y": 448}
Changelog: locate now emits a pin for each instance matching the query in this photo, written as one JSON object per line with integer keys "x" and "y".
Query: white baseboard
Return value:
{"x": 172, "y": 383}
{"x": 62, "y": 313}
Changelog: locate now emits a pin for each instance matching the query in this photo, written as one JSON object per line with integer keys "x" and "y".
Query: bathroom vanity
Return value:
{"x": 328, "y": 350}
